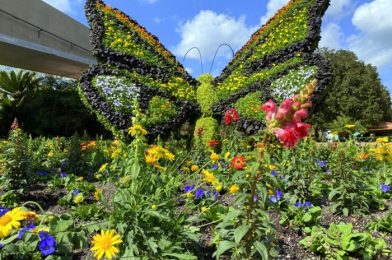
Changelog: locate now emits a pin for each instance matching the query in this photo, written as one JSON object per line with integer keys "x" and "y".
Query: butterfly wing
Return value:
{"x": 132, "y": 63}
{"x": 275, "y": 63}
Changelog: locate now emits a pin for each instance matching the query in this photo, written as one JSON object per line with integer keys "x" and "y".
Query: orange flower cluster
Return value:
{"x": 84, "y": 146}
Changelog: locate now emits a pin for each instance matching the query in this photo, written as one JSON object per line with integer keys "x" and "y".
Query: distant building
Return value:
{"x": 382, "y": 129}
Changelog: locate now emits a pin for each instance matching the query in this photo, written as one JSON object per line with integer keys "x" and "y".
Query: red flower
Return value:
{"x": 302, "y": 129}
{"x": 231, "y": 115}
{"x": 238, "y": 162}
{"x": 270, "y": 108}
{"x": 291, "y": 133}
{"x": 212, "y": 143}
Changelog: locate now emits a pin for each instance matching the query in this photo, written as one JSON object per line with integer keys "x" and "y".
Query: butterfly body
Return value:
{"x": 275, "y": 63}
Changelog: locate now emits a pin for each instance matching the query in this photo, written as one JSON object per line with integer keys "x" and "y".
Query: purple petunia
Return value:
{"x": 25, "y": 229}
{"x": 273, "y": 173}
{"x": 3, "y": 210}
{"x": 278, "y": 196}
{"x": 199, "y": 194}
{"x": 63, "y": 174}
{"x": 385, "y": 187}
{"x": 75, "y": 192}
{"x": 214, "y": 167}
{"x": 46, "y": 244}
{"x": 303, "y": 205}
{"x": 189, "y": 188}
{"x": 322, "y": 163}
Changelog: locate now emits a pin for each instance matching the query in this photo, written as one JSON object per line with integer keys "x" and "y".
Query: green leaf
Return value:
{"x": 307, "y": 217}
{"x": 240, "y": 232}
{"x": 223, "y": 247}
{"x": 260, "y": 247}
{"x": 182, "y": 256}
{"x": 232, "y": 214}
{"x": 345, "y": 212}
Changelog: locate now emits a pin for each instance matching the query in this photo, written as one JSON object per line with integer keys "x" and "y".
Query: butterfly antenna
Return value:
{"x": 201, "y": 59}
{"x": 216, "y": 52}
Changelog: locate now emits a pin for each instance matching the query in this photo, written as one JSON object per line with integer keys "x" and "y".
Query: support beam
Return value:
{"x": 36, "y": 36}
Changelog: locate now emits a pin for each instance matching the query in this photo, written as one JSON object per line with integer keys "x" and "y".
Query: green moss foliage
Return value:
{"x": 160, "y": 110}
{"x": 206, "y": 96}
{"x": 205, "y": 130}
{"x": 249, "y": 107}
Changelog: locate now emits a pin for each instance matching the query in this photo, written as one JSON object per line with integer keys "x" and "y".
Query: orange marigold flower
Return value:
{"x": 238, "y": 162}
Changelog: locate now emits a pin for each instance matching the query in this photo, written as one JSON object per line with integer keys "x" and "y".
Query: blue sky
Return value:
{"x": 362, "y": 26}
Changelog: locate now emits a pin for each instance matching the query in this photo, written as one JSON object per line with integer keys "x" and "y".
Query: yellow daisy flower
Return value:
{"x": 234, "y": 188}
{"x": 137, "y": 130}
{"x": 79, "y": 198}
{"x": 104, "y": 244}
{"x": 214, "y": 157}
{"x": 98, "y": 194}
{"x": 11, "y": 220}
{"x": 194, "y": 168}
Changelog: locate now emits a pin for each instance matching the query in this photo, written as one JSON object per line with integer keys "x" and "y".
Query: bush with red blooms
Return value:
{"x": 285, "y": 122}
{"x": 231, "y": 116}
{"x": 238, "y": 162}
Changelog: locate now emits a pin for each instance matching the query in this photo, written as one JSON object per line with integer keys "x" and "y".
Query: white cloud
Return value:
{"x": 207, "y": 30}
{"x": 374, "y": 42}
{"x": 65, "y": 6}
{"x": 332, "y": 36}
{"x": 338, "y": 7}
{"x": 272, "y": 7}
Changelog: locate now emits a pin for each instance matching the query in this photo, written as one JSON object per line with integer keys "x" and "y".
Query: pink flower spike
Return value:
{"x": 270, "y": 106}
{"x": 288, "y": 136}
{"x": 302, "y": 129}
{"x": 300, "y": 114}
{"x": 282, "y": 113}
{"x": 287, "y": 104}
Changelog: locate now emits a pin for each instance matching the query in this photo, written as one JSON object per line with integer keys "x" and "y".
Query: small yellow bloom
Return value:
{"x": 194, "y": 168}
{"x": 40, "y": 228}
{"x": 218, "y": 187}
{"x": 382, "y": 139}
{"x": 189, "y": 195}
{"x": 234, "y": 188}
{"x": 349, "y": 126}
{"x": 154, "y": 207}
{"x": 227, "y": 155}
{"x": 214, "y": 157}
{"x": 103, "y": 167}
{"x": 79, "y": 198}
{"x": 116, "y": 152}
{"x": 271, "y": 167}
{"x": 98, "y": 194}
{"x": 50, "y": 154}
{"x": 104, "y": 244}
{"x": 137, "y": 131}
{"x": 203, "y": 209}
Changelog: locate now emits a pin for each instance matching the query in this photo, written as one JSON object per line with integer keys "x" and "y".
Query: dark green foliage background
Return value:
{"x": 355, "y": 91}
{"x": 55, "y": 109}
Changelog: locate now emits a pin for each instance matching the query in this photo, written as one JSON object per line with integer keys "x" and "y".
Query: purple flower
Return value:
{"x": 328, "y": 171}
{"x": 322, "y": 163}
{"x": 278, "y": 196}
{"x": 1, "y": 245}
{"x": 214, "y": 167}
{"x": 46, "y": 244}
{"x": 63, "y": 174}
{"x": 3, "y": 210}
{"x": 298, "y": 204}
{"x": 189, "y": 188}
{"x": 273, "y": 173}
{"x": 199, "y": 194}
{"x": 385, "y": 187}
{"x": 75, "y": 192}
{"x": 255, "y": 198}
{"x": 308, "y": 204}
{"x": 25, "y": 229}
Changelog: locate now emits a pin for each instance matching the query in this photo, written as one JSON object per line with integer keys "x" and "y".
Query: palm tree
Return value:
{"x": 16, "y": 89}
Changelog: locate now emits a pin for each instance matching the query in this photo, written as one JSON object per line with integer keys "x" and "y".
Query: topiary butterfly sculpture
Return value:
{"x": 275, "y": 63}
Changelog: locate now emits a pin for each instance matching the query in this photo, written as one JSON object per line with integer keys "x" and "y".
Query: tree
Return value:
{"x": 355, "y": 91}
